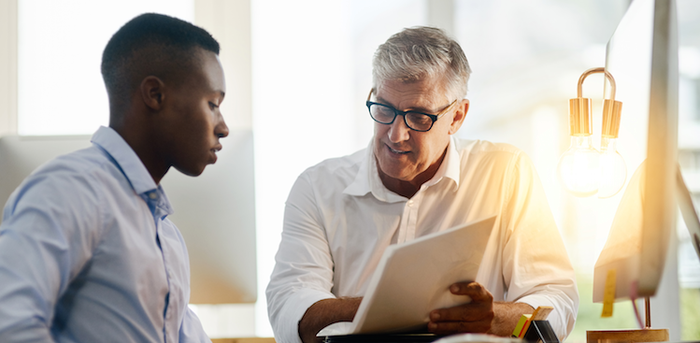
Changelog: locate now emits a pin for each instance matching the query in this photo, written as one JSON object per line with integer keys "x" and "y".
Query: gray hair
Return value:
{"x": 419, "y": 53}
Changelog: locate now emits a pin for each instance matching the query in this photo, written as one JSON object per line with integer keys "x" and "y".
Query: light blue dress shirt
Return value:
{"x": 87, "y": 254}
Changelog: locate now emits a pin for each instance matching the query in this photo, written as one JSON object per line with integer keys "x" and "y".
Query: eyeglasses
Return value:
{"x": 416, "y": 121}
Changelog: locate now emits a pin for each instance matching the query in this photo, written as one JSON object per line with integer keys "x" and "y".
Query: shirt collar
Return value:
{"x": 367, "y": 179}
{"x": 125, "y": 158}
{"x": 134, "y": 171}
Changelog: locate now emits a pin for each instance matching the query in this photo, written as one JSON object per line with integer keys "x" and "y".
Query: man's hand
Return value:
{"x": 475, "y": 316}
{"x": 326, "y": 312}
{"x": 481, "y": 315}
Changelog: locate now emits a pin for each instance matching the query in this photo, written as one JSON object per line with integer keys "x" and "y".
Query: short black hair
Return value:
{"x": 150, "y": 44}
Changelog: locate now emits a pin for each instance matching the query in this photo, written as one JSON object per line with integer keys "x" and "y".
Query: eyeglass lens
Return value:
{"x": 414, "y": 120}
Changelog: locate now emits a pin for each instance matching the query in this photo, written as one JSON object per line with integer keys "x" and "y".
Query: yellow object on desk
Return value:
{"x": 541, "y": 313}
{"x": 609, "y": 293}
{"x": 519, "y": 329}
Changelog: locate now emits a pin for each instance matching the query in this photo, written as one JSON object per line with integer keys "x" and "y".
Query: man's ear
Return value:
{"x": 460, "y": 114}
{"x": 152, "y": 92}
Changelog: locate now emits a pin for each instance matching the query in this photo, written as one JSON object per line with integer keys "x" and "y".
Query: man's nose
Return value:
{"x": 221, "y": 129}
{"x": 398, "y": 131}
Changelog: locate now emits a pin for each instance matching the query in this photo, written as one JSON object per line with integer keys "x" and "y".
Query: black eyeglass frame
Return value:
{"x": 433, "y": 117}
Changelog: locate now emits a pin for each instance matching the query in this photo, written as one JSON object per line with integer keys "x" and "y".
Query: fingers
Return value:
{"x": 475, "y": 290}
{"x": 475, "y": 316}
{"x": 463, "y": 313}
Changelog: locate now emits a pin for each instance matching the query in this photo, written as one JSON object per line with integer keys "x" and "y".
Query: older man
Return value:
{"x": 414, "y": 179}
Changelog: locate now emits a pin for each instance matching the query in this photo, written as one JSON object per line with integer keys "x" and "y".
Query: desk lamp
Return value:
{"x": 582, "y": 169}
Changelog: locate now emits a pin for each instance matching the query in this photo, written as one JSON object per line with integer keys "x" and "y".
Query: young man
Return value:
{"x": 414, "y": 179}
{"x": 86, "y": 251}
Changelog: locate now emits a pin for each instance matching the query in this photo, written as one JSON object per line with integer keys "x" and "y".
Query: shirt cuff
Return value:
{"x": 287, "y": 330}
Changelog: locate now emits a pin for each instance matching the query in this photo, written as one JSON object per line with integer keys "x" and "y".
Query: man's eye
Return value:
{"x": 213, "y": 105}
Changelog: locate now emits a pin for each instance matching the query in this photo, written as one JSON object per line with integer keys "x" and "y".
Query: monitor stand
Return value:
{"x": 644, "y": 335}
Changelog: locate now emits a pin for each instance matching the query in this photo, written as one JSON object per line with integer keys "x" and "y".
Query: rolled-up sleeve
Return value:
{"x": 536, "y": 266}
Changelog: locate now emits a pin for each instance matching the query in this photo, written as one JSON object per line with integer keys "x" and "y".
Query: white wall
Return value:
{"x": 8, "y": 67}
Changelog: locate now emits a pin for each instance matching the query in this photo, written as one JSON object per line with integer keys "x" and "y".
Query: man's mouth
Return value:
{"x": 213, "y": 151}
{"x": 398, "y": 152}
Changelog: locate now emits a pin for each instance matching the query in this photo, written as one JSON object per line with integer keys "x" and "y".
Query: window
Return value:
{"x": 60, "y": 43}
{"x": 303, "y": 52}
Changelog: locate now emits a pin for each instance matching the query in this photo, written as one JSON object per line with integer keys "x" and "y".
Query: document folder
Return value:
{"x": 413, "y": 278}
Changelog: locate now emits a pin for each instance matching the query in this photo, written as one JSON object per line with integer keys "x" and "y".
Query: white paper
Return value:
{"x": 413, "y": 278}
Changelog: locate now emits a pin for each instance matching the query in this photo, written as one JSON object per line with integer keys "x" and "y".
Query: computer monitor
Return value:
{"x": 642, "y": 56}
{"x": 215, "y": 212}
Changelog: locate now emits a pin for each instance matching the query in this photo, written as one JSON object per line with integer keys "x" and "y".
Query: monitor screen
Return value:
{"x": 215, "y": 212}
{"x": 642, "y": 56}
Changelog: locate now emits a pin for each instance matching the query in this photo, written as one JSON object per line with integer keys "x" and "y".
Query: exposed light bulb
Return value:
{"x": 578, "y": 167}
{"x": 583, "y": 170}
{"x": 613, "y": 170}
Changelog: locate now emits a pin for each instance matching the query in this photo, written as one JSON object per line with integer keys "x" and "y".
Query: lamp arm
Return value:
{"x": 585, "y": 74}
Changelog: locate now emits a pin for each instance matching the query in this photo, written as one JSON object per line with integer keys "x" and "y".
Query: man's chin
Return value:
{"x": 390, "y": 167}
{"x": 191, "y": 171}
{"x": 394, "y": 173}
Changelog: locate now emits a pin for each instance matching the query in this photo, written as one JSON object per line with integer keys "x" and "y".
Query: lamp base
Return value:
{"x": 645, "y": 335}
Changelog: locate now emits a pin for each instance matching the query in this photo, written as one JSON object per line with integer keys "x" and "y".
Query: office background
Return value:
{"x": 298, "y": 73}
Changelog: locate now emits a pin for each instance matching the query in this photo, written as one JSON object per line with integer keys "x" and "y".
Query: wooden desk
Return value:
{"x": 244, "y": 340}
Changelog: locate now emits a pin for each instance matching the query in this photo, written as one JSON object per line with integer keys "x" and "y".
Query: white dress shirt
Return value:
{"x": 339, "y": 219}
{"x": 88, "y": 255}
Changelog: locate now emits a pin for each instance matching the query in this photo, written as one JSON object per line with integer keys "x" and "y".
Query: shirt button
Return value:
{"x": 152, "y": 195}
{"x": 410, "y": 203}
